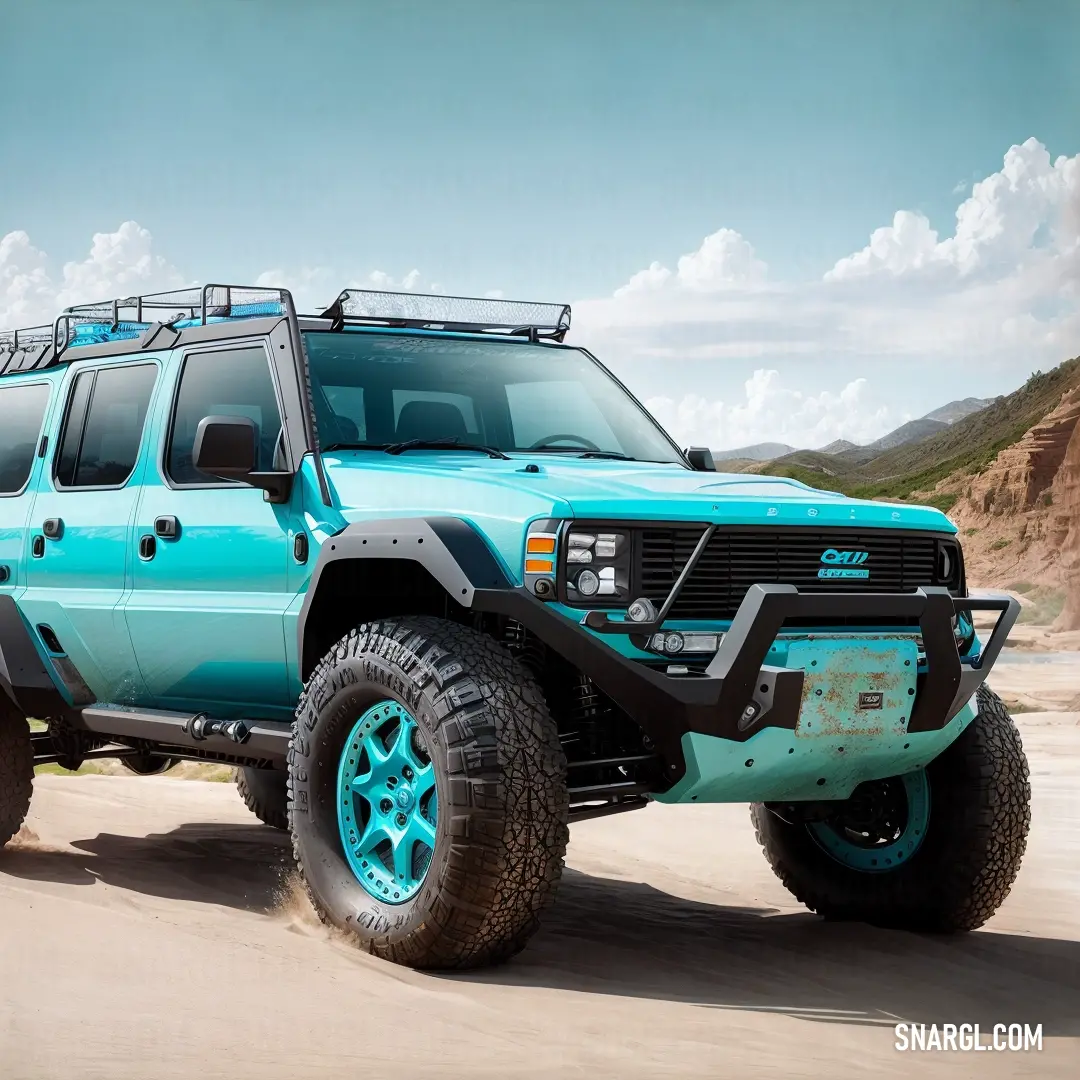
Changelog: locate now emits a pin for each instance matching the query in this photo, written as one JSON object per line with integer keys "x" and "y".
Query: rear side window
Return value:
{"x": 104, "y": 425}
{"x": 226, "y": 382}
{"x": 22, "y": 408}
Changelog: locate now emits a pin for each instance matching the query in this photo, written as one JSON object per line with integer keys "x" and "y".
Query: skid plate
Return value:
{"x": 864, "y": 686}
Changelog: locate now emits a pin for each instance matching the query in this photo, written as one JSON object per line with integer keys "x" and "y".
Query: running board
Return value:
{"x": 254, "y": 740}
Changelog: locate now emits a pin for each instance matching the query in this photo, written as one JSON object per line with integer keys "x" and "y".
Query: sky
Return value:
{"x": 775, "y": 221}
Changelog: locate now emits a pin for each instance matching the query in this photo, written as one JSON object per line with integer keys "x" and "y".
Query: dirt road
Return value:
{"x": 147, "y": 930}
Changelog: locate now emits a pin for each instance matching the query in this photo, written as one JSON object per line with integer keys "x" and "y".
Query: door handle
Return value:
{"x": 147, "y": 547}
{"x": 37, "y": 546}
{"x": 5, "y": 573}
{"x": 167, "y": 527}
{"x": 53, "y": 528}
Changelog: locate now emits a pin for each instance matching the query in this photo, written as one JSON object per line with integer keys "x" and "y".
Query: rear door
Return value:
{"x": 211, "y": 558}
{"x": 22, "y": 414}
{"x": 80, "y": 529}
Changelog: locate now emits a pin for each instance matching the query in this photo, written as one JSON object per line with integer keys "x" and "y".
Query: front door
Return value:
{"x": 209, "y": 583}
{"x": 80, "y": 526}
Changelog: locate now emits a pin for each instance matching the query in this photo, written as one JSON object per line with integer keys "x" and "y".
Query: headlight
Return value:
{"x": 596, "y": 566}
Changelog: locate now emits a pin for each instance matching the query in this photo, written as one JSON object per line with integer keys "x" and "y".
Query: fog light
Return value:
{"x": 578, "y": 555}
{"x": 587, "y": 583}
{"x": 673, "y": 642}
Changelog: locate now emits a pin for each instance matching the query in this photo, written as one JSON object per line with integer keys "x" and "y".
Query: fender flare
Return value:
{"x": 29, "y": 681}
{"x": 450, "y": 549}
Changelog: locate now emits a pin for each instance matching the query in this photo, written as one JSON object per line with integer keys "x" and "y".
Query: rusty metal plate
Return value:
{"x": 857, "y": 686}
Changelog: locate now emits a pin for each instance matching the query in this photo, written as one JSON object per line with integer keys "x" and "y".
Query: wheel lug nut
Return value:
{"x": 386, "y": 806}
{"x": 401, "y": 820}
{"x": 407, "y": 773}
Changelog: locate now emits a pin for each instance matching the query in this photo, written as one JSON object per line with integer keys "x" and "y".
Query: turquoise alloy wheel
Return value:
{"x": 386, "y": 803}
{"x": 881, "y": 826}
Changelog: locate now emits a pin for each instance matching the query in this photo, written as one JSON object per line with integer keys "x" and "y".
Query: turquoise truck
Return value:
{"x": 438, "y": 586}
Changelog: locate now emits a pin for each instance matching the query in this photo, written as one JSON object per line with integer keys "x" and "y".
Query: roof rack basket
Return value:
{"x": 21, "y": 350}
{"x": 471, "y": 315}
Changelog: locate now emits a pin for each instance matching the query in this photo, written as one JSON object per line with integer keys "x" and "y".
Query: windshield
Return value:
{"x": 379, "y": 389}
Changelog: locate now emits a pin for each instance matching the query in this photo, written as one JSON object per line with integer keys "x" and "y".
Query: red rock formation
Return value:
{"x": 1066, "y": 537}
{"x": 1023, "y": 473}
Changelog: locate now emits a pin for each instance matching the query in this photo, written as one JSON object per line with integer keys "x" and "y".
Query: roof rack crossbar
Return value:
{"x": 461, "y": 314}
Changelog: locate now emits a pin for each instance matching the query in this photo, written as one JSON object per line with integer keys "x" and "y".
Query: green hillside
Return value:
{"x": 968, "y": 445}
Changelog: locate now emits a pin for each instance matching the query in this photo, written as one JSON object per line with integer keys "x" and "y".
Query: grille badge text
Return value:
{"x": 843, "y": 564}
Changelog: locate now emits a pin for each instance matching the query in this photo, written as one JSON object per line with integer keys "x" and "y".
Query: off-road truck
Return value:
{"x": 438, "y": 585}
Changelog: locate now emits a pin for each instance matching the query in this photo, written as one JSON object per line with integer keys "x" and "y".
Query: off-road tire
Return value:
{"x": 16, "y": 772}
{"x": 266, "y": 794}
{"x": 501, "y": 832}
{"x": 979, "y": 818}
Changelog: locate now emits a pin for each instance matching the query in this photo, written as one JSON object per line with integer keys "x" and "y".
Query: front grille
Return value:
{"x": 738, "y": 558}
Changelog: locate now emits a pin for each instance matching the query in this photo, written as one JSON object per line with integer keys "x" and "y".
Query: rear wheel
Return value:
{"x": 937, "y": 849}
{"x": 16, "y": 772}
{"x": 429, "y": 802}
{"x": 265, "y": 793}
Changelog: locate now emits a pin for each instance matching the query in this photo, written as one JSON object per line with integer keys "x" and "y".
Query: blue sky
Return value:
{"x": 553, "y": 151}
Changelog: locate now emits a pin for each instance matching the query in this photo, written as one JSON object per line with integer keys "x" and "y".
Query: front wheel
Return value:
{"x": 937, "y": 849}
{"x": 428, "y": 794}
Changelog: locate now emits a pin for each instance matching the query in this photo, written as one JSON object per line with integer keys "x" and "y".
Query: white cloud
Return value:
{"x": 1016, "y": 217}
{"x": 770, "y": 411}
{"x": 25, "y": 288}
{"x": 1002, "y": 294}
{"x": 725, "y": 259}
{"x": 120, "y": 263}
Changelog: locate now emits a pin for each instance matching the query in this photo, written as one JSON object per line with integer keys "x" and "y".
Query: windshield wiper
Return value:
{"x": 452, "y": 443}
{"x": 330, "y": 447}
{"x": 577, "y": 450}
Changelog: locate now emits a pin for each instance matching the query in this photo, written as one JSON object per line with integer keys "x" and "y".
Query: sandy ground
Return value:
{"x": 148, "y": 930}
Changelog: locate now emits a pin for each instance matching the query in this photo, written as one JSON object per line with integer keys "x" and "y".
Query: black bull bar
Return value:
{"x": 739, "y": 694}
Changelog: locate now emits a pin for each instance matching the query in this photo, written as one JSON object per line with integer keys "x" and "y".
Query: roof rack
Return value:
{"x": 20, "y": 350}
{"x": 472, "y": 315}
{"x": 126, "y": 317}
{"x": 131, "y": 317}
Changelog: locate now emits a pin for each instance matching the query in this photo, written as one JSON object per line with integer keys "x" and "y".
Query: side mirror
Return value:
{"x": 700, "y": 458}
{"x": 225, "y": 447}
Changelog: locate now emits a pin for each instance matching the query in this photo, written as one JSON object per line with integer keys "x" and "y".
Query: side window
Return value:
{"x": 22, "y": 408}
{"x": 103, "y": 426}
{"x": 226, "y": 382}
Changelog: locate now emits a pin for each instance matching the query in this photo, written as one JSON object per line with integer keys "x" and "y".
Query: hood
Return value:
{"x": 484, "y": 489}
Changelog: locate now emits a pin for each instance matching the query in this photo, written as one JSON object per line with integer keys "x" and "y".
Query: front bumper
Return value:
{"x": 739, "y": 695}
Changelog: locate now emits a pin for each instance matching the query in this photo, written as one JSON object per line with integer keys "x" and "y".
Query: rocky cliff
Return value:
{"x": 1020, "y": 516}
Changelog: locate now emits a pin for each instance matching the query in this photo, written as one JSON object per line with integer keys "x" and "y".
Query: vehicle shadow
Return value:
{"x": 608, "y": 936}
{"x": 626, "y": 938}
{"x": 239, "y": 866}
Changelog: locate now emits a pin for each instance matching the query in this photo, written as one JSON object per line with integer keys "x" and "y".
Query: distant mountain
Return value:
{"x": 957, "y": 410}
{"x": 912, "y": 432}
{"x": 838, "y": 446}
{"x": 962, "y": 449}
{"x": 765, "y": 451}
